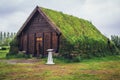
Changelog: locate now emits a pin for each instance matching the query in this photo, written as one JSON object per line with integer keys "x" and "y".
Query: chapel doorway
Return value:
{"x": 39, "y": 46}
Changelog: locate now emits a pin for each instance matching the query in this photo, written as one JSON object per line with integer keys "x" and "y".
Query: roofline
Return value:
{"x": 44, "y": 15}
{"x": 27, "y": 20}
{"x": 54, "y": 26}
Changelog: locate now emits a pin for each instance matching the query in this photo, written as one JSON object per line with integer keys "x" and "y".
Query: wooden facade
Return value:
{"x": 38, "y": 34}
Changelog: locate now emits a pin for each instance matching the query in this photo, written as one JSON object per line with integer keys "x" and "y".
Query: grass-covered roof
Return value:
{"x": 73, "y": 28}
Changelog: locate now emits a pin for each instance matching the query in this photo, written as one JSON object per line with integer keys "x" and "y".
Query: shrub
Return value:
{"x": 3, "y": 48}
{"x": 86, "y": 48}
{"x": 18, "y": 55}
{"x": 77, "y": 59}
{"x": 14, "y": 46}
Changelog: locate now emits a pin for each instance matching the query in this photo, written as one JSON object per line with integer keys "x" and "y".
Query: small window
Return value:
{"x": 39, "y": 39}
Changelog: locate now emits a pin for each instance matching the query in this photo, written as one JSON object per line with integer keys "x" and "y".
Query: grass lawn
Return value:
{"x": 106, "y": 68}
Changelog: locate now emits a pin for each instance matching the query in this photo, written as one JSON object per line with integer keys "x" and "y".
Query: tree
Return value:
{"x": 4, "y": 35}
{"x": 6, "y": 38}
{"x": 116, "y": 40}
{"x": 11, "y": 35}
{"x": 0, "y": 36}
{"x": 8, "y": 34}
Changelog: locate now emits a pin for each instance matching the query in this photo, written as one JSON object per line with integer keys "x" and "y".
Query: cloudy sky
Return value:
{"x": 104, "y": 14}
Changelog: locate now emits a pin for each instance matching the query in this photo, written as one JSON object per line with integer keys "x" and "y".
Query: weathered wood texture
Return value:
{"x": 38, "y": 36}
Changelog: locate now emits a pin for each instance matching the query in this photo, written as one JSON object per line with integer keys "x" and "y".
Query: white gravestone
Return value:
{"x": 50, "y": 59}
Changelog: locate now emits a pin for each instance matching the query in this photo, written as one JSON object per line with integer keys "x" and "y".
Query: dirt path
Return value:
{"x": 15, "y": 61}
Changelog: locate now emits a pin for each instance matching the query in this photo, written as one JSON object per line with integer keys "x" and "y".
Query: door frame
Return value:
{"x": 39, "y": 46}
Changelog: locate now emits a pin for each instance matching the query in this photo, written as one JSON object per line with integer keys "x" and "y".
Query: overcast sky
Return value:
{"x": 104, "y": 14}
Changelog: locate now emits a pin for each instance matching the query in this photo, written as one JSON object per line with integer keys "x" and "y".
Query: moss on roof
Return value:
{"x": 73, "y": 28}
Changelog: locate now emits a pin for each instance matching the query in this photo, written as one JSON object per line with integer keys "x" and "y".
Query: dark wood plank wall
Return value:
{"x": 21, "y": 43}
{"x": 24, "y": 42}
{"x": 31, "y": 43}
{"x": 38, "y": 27}
{"x": 46, "y": 41}
{"x": 54, "y": 41}
{"x": 39, "y": 24}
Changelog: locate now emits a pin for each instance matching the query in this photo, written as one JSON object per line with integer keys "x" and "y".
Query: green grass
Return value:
{"x": 4, "y": 52}
{"x": 106, "y": 68}
{"x": 101, "y": 68}
{"x": 73, "y": 28}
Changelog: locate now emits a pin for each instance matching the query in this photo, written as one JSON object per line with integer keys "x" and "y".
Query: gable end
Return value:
{"x": 45, "y": 17}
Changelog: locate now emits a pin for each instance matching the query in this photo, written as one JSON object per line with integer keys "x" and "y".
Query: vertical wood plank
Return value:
{"x": 27, "y": 43}
{"x": 34, "y": 54}
{"x": 43, "y": 44}
{"x": 58, "y": 43}
{"x": 51, "y": 40}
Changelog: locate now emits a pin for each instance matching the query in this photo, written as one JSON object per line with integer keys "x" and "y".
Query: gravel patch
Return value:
{"x": 15, "y": 61}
